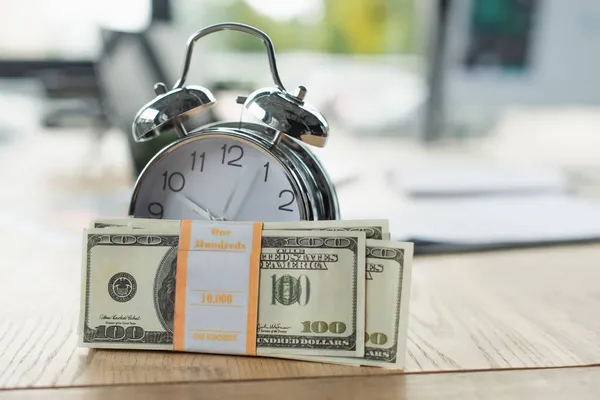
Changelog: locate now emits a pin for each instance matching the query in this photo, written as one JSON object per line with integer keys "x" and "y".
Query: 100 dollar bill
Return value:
{"x": 374, "y": 229}
{"x": 311, "y": 291}
{"x": 388, "y": 278}
{"x": 388, "y": 281}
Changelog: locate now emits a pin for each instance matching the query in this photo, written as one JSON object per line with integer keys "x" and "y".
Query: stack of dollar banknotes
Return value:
{"x": 334, "y": 301}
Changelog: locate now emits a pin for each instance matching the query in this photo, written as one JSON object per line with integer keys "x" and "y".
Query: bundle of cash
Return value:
{"x": 329, "y": 291}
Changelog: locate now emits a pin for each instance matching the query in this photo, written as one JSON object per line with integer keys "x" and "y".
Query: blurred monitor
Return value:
{"x": 500, "y": 53}
{"x": 162, "y": 11}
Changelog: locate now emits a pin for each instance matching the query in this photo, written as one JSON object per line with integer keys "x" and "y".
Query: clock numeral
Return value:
{"x": 228, "y": 151}
{"x": 284, "y": 207}
{"x": 202, "y": 156}
{"x": 266, "y": 170}
{"x": 156, "y": 210}
{"x": 176, "y": 184}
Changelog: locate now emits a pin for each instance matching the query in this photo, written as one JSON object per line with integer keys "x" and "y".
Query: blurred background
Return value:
{"x": 468, "y": 123}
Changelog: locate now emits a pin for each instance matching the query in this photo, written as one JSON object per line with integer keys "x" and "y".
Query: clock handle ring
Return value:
{"x": 235, "y": 27}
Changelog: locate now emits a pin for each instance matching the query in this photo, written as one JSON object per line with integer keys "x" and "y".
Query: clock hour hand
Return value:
{"x": 204, "y": 212}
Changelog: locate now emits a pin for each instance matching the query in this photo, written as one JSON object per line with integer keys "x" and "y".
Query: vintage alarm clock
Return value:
{"x": 238, "y": 171}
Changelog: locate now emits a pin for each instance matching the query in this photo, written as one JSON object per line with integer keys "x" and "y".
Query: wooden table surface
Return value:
{"x": 548, "y": 384}
{"x": 521, "y": 316}
{"x": 531, "y": 308}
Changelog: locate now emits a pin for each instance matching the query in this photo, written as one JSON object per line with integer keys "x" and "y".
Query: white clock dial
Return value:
{"x": 217, "y": 177}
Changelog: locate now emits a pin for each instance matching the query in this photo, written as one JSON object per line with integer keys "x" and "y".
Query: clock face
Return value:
{"x": 216, "y": 177}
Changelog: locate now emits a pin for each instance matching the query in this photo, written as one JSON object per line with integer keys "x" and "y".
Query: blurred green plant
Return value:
{"x": 341, "y": 26}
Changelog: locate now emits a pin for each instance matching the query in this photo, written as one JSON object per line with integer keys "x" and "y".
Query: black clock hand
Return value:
{"x": 204, "y": 212}
{"x": 243, "y": 185}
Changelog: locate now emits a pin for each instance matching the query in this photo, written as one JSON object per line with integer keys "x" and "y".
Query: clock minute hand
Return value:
{"x": 240, "y": 191}
{"x": 204, "y": 212}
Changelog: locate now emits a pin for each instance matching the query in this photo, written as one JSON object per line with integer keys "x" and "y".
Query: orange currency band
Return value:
{"x": 180, "y": 285}
{"x": 253, "y": 290}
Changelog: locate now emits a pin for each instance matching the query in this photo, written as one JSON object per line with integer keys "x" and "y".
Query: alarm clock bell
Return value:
{"x": 169, "y": 110}
{"x": 289, "y": 114}
{"x": 285, "y": 112}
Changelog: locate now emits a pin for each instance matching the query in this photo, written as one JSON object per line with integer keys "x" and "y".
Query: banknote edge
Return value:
{"x": 405, "y": 307}
{"x": 405, "y": 253}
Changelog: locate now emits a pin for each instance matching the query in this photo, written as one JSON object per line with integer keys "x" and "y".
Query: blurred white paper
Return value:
{"x": 469, "y": 178}
{"x": 498, "y": 219}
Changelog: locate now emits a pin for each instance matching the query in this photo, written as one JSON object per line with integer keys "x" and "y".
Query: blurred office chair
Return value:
{"x": 128, "y": 68}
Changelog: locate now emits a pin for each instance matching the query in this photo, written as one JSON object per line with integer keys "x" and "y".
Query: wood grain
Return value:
{"x": 548, "y": 384}
{"x": 512, "y": 309}
{"x": 509, "y": 309}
